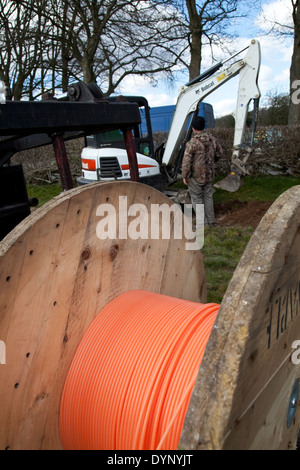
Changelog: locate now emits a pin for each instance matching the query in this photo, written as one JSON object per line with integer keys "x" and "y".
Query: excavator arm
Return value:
{"x": 195, "y": 91}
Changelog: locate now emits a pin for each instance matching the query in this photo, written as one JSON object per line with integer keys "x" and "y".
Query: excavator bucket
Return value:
{"x": 231, "y": 183}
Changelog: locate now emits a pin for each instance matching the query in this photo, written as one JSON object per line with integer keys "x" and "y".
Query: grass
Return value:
{"x": 44, "y": 193}
{"x": 254, "y": 188}
{"x": 259, "y": 188}
{"x": 222, "y": 250}
{"x": 223, "y": 246}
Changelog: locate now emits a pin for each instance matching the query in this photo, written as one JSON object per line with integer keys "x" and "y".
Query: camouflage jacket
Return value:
{"x": 199, "y": 157}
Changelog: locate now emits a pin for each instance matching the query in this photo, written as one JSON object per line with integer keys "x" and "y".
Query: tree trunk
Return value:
{"x": 88, "y": 71}
{"x": 65, "y": 51}
{"x": 294, "y": 111}
{"x": 17, "y": 89}
{"x": 195, "y": 39}
{"x": 64, "y": 69}
{"x": 196, "y": 52}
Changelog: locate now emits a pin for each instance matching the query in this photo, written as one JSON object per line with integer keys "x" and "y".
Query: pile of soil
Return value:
{"x": 240, "y": 213}
{"x": 229, "y": 213}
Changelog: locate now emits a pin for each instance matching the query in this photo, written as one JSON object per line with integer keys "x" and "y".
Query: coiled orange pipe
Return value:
{"x": 131, "y": 378}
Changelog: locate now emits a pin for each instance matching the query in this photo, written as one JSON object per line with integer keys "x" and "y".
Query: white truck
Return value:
{"x": 104, "y": 156}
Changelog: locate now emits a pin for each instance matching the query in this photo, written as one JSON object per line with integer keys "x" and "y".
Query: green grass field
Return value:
{"x": 223, "y": 246}
{"x": 45, "y": 192}
{"x": 222, "y": 250}
{"x": 259, "y": 188}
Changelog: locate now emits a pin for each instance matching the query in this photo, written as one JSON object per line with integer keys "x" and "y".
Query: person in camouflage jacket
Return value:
{"x": 198, "y": 168}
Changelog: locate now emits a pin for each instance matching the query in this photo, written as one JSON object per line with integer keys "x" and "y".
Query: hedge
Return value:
{"x": 276, "y": 152}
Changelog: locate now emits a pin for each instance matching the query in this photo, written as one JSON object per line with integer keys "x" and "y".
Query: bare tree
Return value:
{"x": 294, "y": 110}
{"x": 289, "y": 27}
{"x": 110, "y": 39}
{"x": 22, "y": 47}
{"x": 206, "y": 23}
{"x": 100, "y": 41}
{"x": 103, "y": 41}
{"x": 143, "y": 39}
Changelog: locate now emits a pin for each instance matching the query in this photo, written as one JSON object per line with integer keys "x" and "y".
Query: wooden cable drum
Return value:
{"x": 60, "y": 279}
{"x": 56, "y": 276}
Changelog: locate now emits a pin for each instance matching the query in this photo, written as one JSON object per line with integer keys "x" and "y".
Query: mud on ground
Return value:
{"x": 246, "y": 214}
{"x": 231, "y": 213}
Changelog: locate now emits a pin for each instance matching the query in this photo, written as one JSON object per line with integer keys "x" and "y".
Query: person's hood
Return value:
{"x": 203, "y": 137}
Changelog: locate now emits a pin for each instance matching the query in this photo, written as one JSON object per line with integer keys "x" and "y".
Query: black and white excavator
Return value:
{"x": 103, "y": 159}
{"x": 195, "y": 91}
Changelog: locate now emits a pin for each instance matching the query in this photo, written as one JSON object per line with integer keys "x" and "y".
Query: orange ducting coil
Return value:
{"x": 132, "y": 376}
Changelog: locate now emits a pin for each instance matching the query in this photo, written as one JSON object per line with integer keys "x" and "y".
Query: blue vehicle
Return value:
{"x": 161, "y": 117}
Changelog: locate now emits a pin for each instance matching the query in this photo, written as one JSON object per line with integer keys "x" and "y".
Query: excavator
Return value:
{"x": 188, "y": 102}
{"x": 103, "y": 159}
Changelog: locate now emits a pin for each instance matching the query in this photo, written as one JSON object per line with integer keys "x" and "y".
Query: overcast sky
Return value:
{"x": 274, "y": 71}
